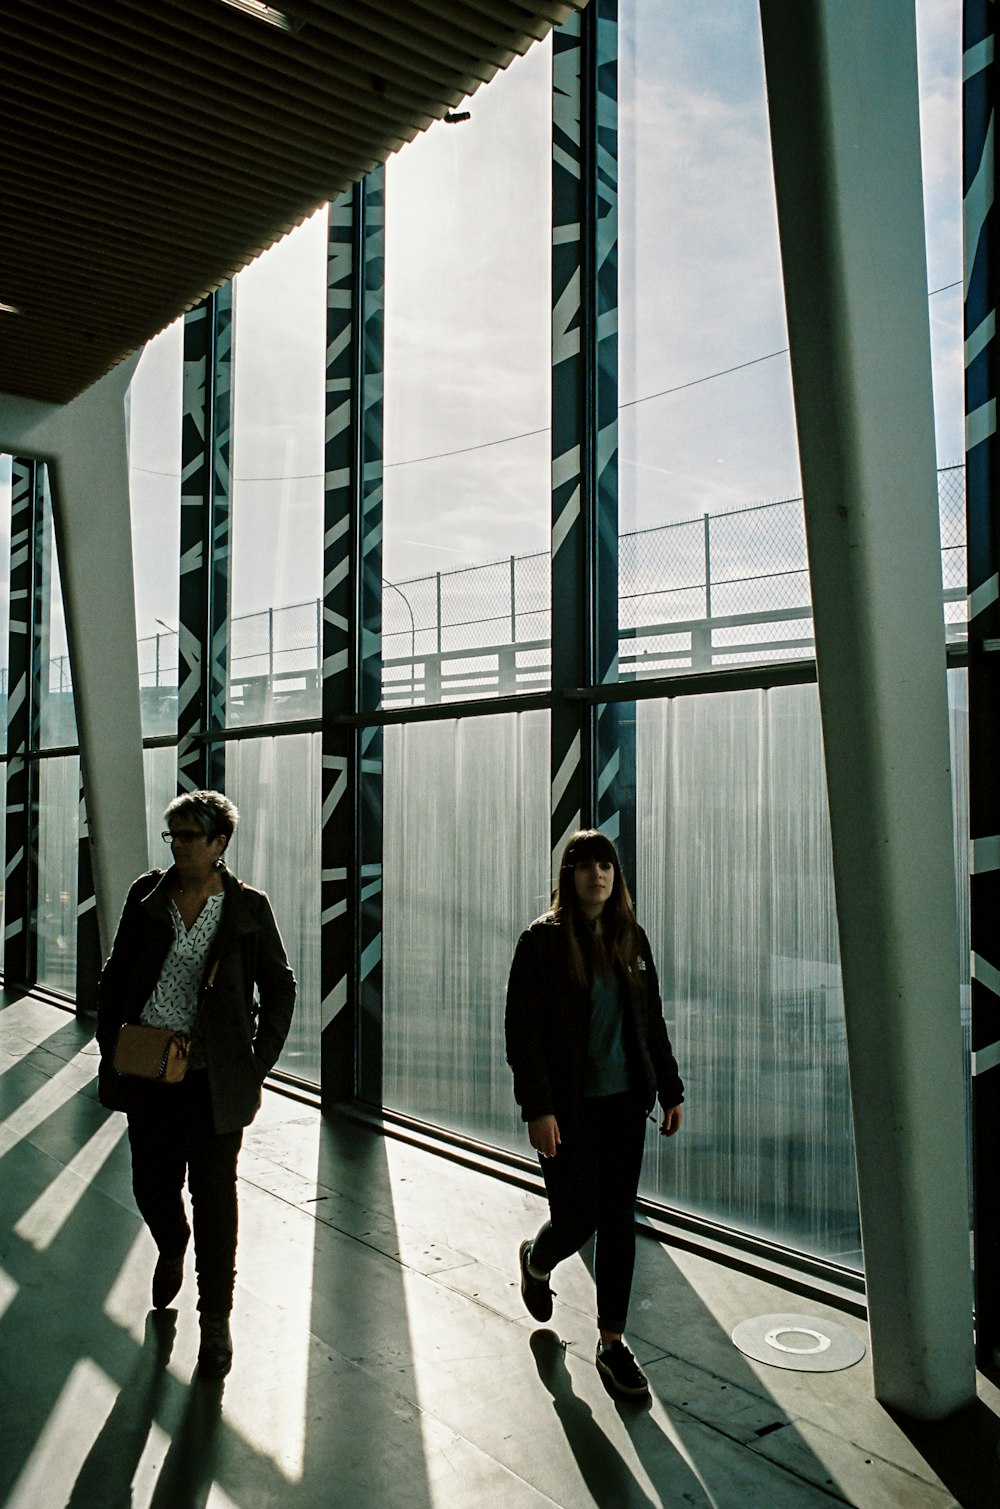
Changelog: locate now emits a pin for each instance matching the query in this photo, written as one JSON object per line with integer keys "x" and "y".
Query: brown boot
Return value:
{"x": 215, "y": 1356}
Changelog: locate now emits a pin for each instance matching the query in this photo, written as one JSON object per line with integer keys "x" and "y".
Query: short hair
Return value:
{"x": 212, "y": 812}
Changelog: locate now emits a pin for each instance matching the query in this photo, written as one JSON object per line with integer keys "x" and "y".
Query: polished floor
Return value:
{"x": 383, "y": 1357}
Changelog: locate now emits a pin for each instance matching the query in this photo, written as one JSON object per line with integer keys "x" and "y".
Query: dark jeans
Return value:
{"x": 591, "y": 1184}
{"x": 172, "y": 1136}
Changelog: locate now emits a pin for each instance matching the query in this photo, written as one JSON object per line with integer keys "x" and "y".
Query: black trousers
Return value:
{"x": 591, "y": 1184}
{"x": 172, "y": 1138}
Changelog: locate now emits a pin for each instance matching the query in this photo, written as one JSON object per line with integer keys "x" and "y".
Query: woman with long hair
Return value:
{"x": 590, "y": 1053}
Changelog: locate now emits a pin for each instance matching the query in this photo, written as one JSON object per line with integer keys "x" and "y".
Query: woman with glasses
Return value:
{"x": 199, "y": 952}
{"x": 590, "y": 1054}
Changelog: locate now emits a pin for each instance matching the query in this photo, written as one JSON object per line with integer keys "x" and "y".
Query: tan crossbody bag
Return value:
{"x": 155, "y": 1052}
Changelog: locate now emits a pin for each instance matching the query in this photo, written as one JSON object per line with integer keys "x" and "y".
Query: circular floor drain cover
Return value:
{"x": 801, "y": 1342}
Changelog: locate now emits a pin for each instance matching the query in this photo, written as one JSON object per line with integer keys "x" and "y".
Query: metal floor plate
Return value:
{"x": 803, "y": 1343}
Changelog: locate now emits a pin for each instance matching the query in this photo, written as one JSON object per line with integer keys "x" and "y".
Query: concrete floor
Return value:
{"x": 383, "y": 1357}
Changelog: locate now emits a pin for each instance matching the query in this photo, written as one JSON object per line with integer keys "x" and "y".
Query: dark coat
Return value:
{"x": 548, "y": 1024}
{"x": 242, "y": 1037}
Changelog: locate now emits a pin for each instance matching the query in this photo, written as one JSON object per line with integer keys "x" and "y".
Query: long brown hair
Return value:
{"x": 588, "y": 954}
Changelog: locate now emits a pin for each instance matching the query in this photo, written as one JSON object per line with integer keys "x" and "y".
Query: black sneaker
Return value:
{"x": 620, "y": 1370}
{"x": 535, "y": 1292}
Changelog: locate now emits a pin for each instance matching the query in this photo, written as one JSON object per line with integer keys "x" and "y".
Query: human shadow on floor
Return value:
{"x": 962, "y": 1450}
{"x": 717, "y": 1407}
{"x": 363, "y": 1380}
{"x": 607, "y": 1475}
{"x": 106, "y": 1477}
{"x": 189, "y": 1469}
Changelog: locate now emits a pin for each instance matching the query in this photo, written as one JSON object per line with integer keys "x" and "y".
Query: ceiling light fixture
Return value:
{"x": 268, "y": 13}
{"x": 9, "y": 308}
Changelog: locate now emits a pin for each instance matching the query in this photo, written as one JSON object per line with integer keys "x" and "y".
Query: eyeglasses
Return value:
{"x": 183, "y": 836}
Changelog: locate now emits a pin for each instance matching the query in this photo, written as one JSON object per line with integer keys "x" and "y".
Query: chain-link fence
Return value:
{"x": 724, "y": 589}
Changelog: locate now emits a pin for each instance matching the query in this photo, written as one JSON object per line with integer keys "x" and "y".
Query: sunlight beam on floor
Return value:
{"x": 9, "y": 1291}
{"x": 47, "y": 1099}
{"x": 25, "y": 1026}
{"x": 128, "y": 1299}
{"x": 80, "y": 1413}
{"x": 42, "y": 1222}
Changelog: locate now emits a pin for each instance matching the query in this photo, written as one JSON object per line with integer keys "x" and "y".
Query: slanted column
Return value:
{"x": 842, "y": 96}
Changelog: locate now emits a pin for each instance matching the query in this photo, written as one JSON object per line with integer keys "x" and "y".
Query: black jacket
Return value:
{"x": 548, "y": 1023}
{"x": 242, "y": 1036}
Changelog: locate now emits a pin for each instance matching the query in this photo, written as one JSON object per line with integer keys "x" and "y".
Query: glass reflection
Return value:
{"x": 56, "y": 714}
{"x": 713, "y": 565}
{"x": 58, "y": 858}
{"x": 276, "y": 785}
{"x": 467, "y": 395}
{"x": 465, "y": 870}
{"x": 277, "y": 479}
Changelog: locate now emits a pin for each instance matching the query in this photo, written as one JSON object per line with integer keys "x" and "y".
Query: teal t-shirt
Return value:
{"x": 607, "y": 1066}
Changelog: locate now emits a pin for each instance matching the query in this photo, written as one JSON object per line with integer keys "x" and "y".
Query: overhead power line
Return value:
{"x": 484, "y": 445}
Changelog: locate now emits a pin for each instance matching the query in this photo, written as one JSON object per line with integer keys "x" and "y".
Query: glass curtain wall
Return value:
{"x": 276, "y": 584}
{"x": 160, "y": 768}
{"x": 735, "y": 889}
{"x": 711, "y": 556}
{"x": 733, "y": 878}
{"x": 279, "y": 354}
{"x": 56, "y": 716}
{"x": 58, "y": 856}
{"x": 465, "y": 591}
{"x": 713, "y": 561}
{"x": 466, "y": 471}
{"x": 58, "y": 777}
{"x": 466, "y": 845}
{"x": 275, "y": 784}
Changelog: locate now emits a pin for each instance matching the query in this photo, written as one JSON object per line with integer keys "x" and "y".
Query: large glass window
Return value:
{"x": 707, "y": 424}
{"x": 275, "y": 784}
{"x": 939, "y": 63}
{"x": 467, "y": 397}
{"x": 733, "y": 879}
{"x": 277, "y": 479}
{"x": 735, "y": 889}
{"x": 56, "y": 714}
{"x": 155, "y": 410}
{"x": 160, "y": 768}
{"x": 58, "y": 859}
{"x": 713, "y": 565}
{"x": 466, "y": 868}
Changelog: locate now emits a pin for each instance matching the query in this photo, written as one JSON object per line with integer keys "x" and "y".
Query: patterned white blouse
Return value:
{"x": 174, "y": 1002}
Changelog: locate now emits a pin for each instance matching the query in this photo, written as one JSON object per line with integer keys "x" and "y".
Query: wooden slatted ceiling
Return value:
{"x": 152, "y": 150}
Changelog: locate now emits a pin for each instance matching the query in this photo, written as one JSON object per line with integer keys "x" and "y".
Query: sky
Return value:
{"x": 467, "y": 321}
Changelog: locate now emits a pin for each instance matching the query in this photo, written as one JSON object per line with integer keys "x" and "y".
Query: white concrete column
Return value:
{"x": 85, "y": 445}
{"x": 842, "y": 97}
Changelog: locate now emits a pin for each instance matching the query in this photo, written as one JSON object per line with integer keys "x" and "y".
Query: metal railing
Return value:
{"x": 724, "y": 589}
